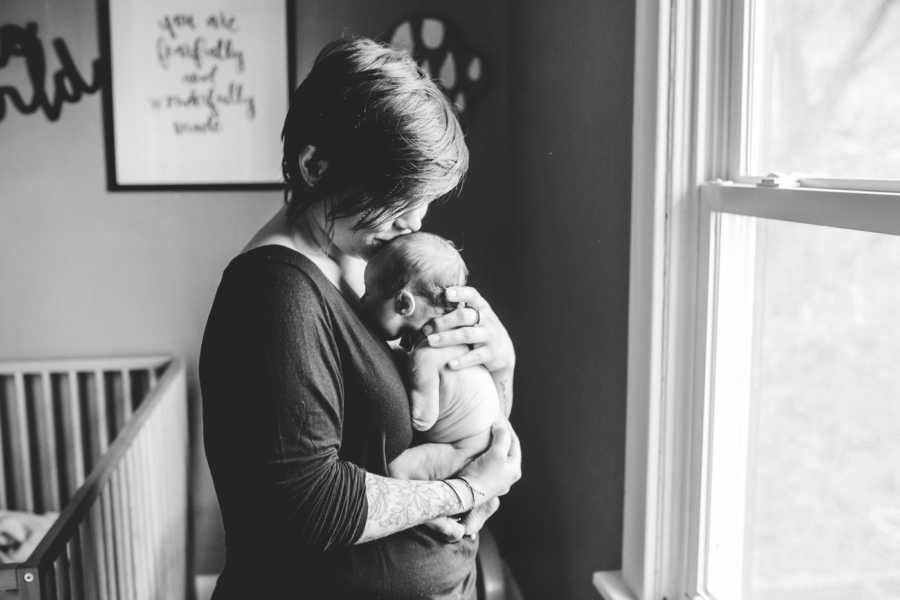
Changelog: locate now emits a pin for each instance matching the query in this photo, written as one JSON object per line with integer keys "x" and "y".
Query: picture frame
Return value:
{"x": 196, "y": 92}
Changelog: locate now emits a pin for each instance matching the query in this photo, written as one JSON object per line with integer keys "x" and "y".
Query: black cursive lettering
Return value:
{"x": 211, "y": 125}
{"x": 222, "y": 49}
{"x": 68, "y": 84}
{"x": 210, "y": 99}
{"x": 222, "y": 21}
{"x": 170, "y": 23}
{"x": 201, "y": 77}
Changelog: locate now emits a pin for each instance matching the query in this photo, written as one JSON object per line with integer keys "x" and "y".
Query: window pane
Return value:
{"x": 822, "y": 413}
{"x": 826, "y": 88}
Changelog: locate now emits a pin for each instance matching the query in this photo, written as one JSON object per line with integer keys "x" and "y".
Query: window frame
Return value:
{"x": 691, "y": 79}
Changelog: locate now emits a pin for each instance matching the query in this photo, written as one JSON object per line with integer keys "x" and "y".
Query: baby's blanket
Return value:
{"x": 21, "y": 532}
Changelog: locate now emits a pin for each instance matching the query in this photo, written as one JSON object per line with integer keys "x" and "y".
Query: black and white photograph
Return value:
{"x": 449, "y": 300}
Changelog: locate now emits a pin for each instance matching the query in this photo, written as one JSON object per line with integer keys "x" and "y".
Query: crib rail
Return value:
{"x": 122, "y": 533}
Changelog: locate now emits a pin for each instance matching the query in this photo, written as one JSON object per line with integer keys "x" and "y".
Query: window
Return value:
{"x": 805, "y": 424}
{"x": 764, "y": 400}
{"x": 823, "y": 88}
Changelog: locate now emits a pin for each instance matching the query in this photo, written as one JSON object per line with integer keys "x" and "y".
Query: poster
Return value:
{"x": 198, "y": 91}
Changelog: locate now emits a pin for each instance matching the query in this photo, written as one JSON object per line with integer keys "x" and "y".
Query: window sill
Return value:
{"x": 611, "y": 586}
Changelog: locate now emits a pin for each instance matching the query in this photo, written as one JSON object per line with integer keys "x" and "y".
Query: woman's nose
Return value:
{"x": 410, "y": 221}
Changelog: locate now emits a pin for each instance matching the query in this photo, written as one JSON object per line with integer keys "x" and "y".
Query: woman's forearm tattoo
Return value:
{"x": 395, "y": 504}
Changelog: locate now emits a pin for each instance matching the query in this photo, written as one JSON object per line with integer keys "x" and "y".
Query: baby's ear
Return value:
{"x": 405, "y": 303}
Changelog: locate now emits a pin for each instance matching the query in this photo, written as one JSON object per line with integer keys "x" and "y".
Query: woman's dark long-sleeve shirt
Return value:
{"x": 299, "y": 397}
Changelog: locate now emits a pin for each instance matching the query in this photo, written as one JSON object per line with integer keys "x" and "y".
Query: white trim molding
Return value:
{"x": 611, "y": 586}
{"x": 685, "y": 91}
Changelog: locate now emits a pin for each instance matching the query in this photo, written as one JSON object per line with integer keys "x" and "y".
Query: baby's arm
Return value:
{"x": 424, "y": 379}
{"x": 431, "y": 460}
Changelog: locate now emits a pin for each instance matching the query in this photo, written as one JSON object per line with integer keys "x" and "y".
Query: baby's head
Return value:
{"x": 405, "y": 283}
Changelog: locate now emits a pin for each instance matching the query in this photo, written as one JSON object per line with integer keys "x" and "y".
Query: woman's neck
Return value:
{"x": 308, "y": 237}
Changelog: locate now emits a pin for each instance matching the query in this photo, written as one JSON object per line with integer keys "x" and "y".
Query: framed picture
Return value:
{"x": 197, "y": 92}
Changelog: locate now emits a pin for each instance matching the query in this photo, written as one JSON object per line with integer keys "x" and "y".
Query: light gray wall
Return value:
{"x": 86, "y": 272}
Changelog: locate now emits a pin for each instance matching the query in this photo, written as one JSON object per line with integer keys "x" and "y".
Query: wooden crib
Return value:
{"x": 104, "y": 442}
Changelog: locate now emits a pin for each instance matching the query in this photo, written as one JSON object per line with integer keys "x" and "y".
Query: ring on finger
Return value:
{"x": 477, "y": 315}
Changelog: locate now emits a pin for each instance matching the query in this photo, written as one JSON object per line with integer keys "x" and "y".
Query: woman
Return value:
{"x": 304, "y": 408}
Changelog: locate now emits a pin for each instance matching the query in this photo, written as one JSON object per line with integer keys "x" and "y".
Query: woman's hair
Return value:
{"x": 388, "y": 134}
{"x": 426, "y": 263}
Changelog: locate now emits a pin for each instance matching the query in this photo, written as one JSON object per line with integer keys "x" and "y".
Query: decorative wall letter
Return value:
{"x": 68, "y": 84}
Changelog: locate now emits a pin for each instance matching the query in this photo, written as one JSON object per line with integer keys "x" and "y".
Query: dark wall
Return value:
{"x": 571, "y": 108}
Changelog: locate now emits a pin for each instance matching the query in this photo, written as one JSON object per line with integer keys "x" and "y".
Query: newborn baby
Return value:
{"x": 405, "y": 284}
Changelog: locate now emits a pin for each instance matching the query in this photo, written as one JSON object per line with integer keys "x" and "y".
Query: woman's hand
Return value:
{"x": 494, "y": 471}
{"x": 452, "y": 530}
{"x": 477, "y": 326}
{"x": 474, "y": 324}
{"x": 478, "y": 516}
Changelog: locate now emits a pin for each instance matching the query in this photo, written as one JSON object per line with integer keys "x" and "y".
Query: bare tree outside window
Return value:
{"x": 826, "y": 95}
{"x": 824, "y": 502}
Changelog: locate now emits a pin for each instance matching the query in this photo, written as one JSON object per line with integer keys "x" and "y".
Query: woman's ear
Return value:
{"x": 312, "y": 165}
{"x": 404, "y": 303}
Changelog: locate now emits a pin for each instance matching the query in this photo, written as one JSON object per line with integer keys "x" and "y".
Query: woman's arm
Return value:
{"x": 395, "y": 505}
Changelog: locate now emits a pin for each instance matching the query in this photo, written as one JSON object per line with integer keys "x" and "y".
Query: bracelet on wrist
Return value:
{"x": 462, "y": 504}
{"x": 476, "y": 493}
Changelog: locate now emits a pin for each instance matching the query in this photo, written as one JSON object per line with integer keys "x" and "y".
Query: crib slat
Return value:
{"x": 164, "y": 474}
{"x": 109, "y": 545}
{"x": 61, "y": 576}
{"x": 122, "y": 533}
{"x": 149, "y": 555}
{"x": 158, "y": 512}
{"x": 153, "y": 512}
{"x": 136, "y": 537}
{"x": 96, "y": 420}
{"x": 127, "y": 394}
{"x": 140, "y": 383}
{"x": 7, "y": 390}
{"x": 93, "y": 567}
{"x": 116, "y": 398}
{"x": 68, "y": 402}
{"x": 45, "y": 444}
{"x": 116, "y": 513}
{"x": 131, "y": 534}
{"x": 21, "y": 484}
{"x": 47, "y": 579}
{"x": 76, "y": 566}
{"x": 178, "y": 427}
